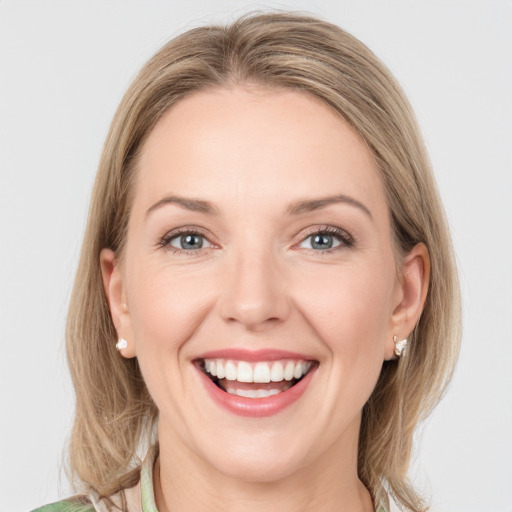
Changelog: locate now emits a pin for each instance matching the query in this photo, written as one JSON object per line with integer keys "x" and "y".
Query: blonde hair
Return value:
{"x": 115, "y": 415}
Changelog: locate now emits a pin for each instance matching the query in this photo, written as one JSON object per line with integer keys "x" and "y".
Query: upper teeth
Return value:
{"x": 243, "y": 371}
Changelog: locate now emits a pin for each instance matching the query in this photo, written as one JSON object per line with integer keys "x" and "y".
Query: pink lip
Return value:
{"x": 255, "y": 407}
{"x": 254, "y": 355}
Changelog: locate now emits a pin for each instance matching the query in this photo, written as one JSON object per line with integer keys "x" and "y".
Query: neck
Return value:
{"x": 186, "y": 483}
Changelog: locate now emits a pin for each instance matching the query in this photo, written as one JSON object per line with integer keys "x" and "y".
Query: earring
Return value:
{"x": 122, "y": 343}
{"x": 399, "y": 346}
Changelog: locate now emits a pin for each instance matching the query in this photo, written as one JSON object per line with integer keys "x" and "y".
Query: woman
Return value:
{"x": 267, "y": 251}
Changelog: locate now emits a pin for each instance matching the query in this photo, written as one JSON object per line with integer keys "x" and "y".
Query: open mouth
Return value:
{"x": 255, "y": 379}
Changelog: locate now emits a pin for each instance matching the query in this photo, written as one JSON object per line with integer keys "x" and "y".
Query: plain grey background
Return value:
{"x": 64, "y": 66}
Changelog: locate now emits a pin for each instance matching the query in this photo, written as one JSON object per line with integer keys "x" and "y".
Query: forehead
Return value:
{"x": 255, "y": 145}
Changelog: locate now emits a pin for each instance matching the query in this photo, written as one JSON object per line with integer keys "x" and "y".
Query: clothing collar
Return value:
{"x": 146, "y": 481}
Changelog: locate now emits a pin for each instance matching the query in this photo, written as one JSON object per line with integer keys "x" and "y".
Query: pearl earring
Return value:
{"x": 399, "y": 346}
{"x": 122, "y": 343}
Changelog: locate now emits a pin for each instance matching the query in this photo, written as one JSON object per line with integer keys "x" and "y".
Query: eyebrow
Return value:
{"x": 309, "y": 205}
{"x": 295, "y": 208}
{"x": 194, "y": 205}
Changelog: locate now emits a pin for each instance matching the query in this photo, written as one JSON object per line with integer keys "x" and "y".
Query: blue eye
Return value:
{"x": 189, "y": 242}
{"x": 320, "y": 242}
{"x": 324, "y": 240}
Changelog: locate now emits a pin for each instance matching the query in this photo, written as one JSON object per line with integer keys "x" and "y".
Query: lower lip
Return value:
{"x": 256, "y": 407}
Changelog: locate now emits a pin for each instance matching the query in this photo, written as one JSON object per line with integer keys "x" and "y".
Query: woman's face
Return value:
{"x": 258, "y": 287}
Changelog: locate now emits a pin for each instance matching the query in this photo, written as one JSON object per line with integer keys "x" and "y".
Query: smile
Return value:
{"x": 255, "y": 379}
{"x": 257, "y": 383}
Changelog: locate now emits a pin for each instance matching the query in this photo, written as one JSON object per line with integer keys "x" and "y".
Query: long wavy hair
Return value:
{"x": 115, "y": 416}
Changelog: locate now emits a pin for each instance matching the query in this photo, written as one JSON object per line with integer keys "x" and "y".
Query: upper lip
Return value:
{"x": 239, "y": 354}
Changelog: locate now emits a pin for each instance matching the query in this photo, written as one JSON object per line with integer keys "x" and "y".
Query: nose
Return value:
{"x": 254, "y": 292}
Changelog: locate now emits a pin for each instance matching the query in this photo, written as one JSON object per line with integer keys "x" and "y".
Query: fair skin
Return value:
{"x": 260, "y": 231}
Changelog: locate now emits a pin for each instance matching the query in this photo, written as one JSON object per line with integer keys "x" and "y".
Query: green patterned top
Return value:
{"x": 139, "y": 498}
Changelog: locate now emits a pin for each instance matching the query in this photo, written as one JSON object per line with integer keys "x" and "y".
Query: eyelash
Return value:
{"x": 165, "y": 242}
{"x": 346, "y": 240}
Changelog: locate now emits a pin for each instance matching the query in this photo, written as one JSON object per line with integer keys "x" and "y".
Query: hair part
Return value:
{"x": 115, "y": 415}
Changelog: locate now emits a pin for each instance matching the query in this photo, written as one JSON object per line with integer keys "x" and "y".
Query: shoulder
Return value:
{"x": 76, "y": 504}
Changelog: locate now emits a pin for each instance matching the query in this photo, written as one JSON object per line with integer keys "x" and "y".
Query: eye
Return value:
{"x": 320, "y": 242}
{"x": 187, "y": 241}
{"x": 326, "y": 239}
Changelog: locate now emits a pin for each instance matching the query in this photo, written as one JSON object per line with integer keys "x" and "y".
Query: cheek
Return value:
{"x": 166, "y": 307}
{"x": 166, "y": 310}
{"x": 350, "y": 308}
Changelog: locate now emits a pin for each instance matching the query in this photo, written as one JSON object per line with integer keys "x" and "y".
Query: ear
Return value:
{"x": 411, "y": 295}
{"x": 116, "y": 297}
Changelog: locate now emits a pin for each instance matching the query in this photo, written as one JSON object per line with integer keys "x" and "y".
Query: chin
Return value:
{"x": 261, "y": 455}
{"x": 257, "y": 469}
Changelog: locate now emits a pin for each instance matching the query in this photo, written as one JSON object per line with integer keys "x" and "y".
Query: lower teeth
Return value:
{"x": 255, "y": 393}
